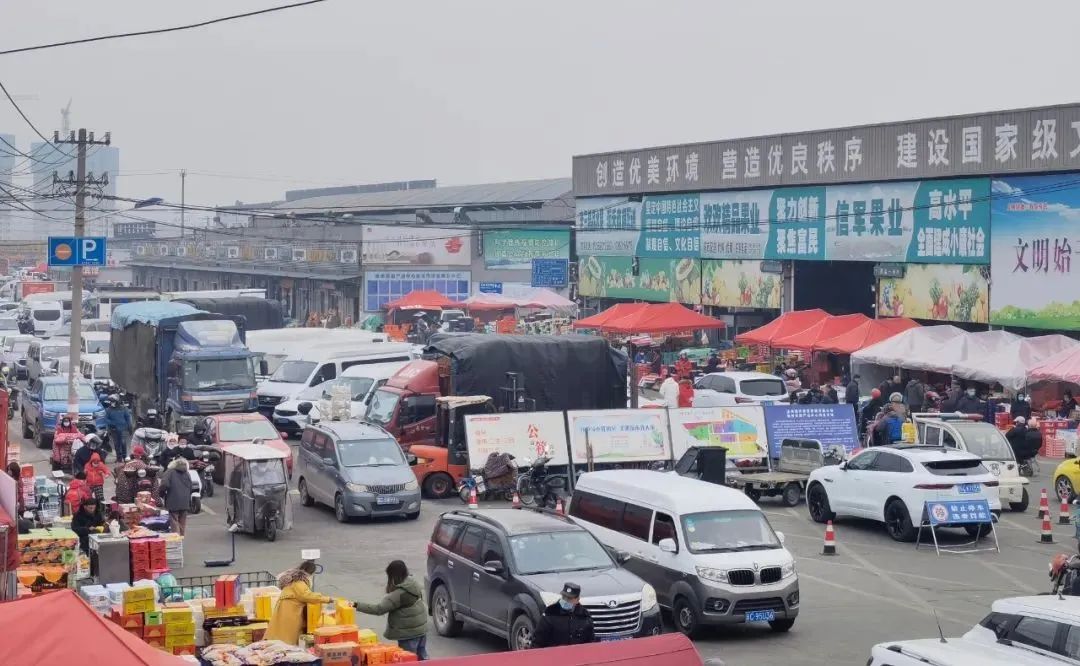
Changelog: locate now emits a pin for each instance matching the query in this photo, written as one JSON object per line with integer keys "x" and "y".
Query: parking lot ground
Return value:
{"x": 873, "y": 590}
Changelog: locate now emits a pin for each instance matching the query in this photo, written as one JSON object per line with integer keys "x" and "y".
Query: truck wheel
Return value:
{"x": 792, "y": 494}
{"x": 438, "y": 486}
{"x": 753, "y": 493}
{"x": 685, "y": 617}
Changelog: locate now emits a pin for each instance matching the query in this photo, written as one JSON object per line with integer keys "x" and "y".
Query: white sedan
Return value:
{"x": 892, "y": 484}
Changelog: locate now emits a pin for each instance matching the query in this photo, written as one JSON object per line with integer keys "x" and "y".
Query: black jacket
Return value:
{"x": 81, "y": 524}
{"x": 167, "y": 455}
{"x": 851, "y": 396}
{"x": 559, "y": 627}
{"x": 968, "y": 405}
{"x": 82, "y": 456}
{"x": 1020, "y": 408}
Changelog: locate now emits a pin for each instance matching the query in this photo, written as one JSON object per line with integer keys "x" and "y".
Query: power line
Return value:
{"x": 159, "y": 31}
{"x": 30, "y": 123}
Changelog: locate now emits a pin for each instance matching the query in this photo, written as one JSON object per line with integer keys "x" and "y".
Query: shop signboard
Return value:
{"x": 658, "y": 279}
{"x": 796, "y": 224}
{"x": 416, "y": 246}
{"x": 515, "y": 249}
{"x": 524, "y": 435}
{"x": 735, "y": 225}
{"x": 670, "y": 226}
{"x": 608, "y": 226}
{"x": 1036, "y": 223}
{"x": 491, "y": 287}
{"x": 829, "y": 424}
{"x": 381, "y": 287}
{"x": 740, "y": 430}
{"x": 945, "y": 292}
{"x": 550, "y": 272}
{"x": 619, "y": 435}
{"x": 738, "y": 284}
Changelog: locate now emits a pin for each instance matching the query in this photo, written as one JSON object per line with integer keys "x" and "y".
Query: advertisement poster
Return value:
{"x": 740, "y": 430}
{"x": 415, "y": 246}
{"x": 515, "y": 250}
{"x": 670, "y": 226}
{"x": 619, "y": 435}
{"x": 735, "y": 225}
{"x": 608, "y": 226}
{"x": 663, "y": 280}
{"x": 829, "y": 424}
{"x": 738, "y": 284}
{"x": 946, "y": 292}
{"x": 381, "y": 287}
{"x": 1036, "y": 223}
{"x": 524, "y": 435}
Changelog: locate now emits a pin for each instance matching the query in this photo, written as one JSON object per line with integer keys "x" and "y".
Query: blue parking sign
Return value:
{"x": 959, "y": 512}
{"x": 75, "y": 251}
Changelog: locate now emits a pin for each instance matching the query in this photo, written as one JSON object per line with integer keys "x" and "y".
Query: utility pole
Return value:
{"x": 80, "y": 182}
{"x": 183, "y": 183}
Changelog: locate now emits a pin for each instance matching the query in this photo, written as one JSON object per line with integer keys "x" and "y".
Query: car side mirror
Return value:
{"x": 622, "y": 557}
{"x": 304, "y": 408}
{"x": 843, "y": 465}
{"x": 283, "y": 435}
{"x": 668, "y": 546}
{"x": 410, "y": 458}
{"x": 264, "y": 368}
{"x": 494, "y": 567}
{"x": 329, "y": 462}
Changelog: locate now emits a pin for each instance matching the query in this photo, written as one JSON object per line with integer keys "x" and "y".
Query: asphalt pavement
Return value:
{"x": 873, "y": 590}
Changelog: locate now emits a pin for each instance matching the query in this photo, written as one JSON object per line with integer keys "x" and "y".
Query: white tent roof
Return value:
{"x": 897, "y": 351}
{"x": 1011, "y": 364}
{"x": 979, "y": 347}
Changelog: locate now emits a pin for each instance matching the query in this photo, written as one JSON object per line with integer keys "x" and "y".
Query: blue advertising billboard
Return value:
{"x": 829, "y": 424}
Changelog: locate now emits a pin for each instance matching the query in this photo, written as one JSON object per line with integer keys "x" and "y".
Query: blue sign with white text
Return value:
{"x": 550, "y": 272}
{"x": 74, "y": 251}
{"x": 829, "y": 424}
{"x": 491, "y": 287}
{"x": 959, "y": 512}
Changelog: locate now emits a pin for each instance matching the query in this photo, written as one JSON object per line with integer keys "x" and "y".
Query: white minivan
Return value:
{"x": 708, "y": 550}
{"x": 46, "y": 316}
{"x": 41, "y": 352}
{"x": 320, "y": 364}
{"x": 362, "y": 381}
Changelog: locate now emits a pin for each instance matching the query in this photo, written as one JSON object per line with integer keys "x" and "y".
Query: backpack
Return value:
{"x": 896, "y": 429}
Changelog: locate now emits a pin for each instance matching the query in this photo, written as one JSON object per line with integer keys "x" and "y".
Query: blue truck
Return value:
{"x": 184, "y": 362}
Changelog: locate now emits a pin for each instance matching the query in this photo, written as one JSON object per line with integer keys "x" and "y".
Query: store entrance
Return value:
{"x": 837, "y": 287}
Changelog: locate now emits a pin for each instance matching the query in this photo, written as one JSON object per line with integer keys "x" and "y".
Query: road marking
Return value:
{"x": 208, "y": 510}
{"x": 922, "y": 607}
{"x": 905, "y": 574}
{"x": 873, "y": 568}
{"x": 1020, "y": 585}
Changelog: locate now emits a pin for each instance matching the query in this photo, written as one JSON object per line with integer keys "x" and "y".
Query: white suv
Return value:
{"x": 891, "y": 484}
{"x": 724, "y": 389}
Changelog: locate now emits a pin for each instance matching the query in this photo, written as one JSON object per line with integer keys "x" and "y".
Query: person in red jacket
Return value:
{"x": 683, "y": 367}
{"x": 96, "y": 471}
{"x": 686, "y": 393}
{"x": 77, "y": 493}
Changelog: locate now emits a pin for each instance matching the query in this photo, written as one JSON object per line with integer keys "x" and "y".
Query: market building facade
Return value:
{"x": 970, "y": 219}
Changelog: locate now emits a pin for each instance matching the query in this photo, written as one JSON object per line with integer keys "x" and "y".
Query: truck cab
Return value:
{"x": 209, "y": 371}
{"x": 441, "y": 466}
{"x": 406, "y": 405}
{"x": 967, "y": 433}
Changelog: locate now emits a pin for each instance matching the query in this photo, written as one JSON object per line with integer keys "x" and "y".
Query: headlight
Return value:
{"x": 550, "y": 598}
{"x": 423, "y": 461}
{"x": 715, "y": 575}
{"x": 788, "y": 569}
{"x": 411, "y": 485}
{"x": 357, "y": 487}
{"x": 648, "y": 598}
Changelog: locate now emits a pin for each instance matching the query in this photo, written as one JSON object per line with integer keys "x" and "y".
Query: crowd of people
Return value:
{"x": 329, "y": 319}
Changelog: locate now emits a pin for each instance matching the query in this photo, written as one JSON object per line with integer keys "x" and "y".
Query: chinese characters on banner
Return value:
{"x": 515, "y": 249}
{"x": 952, "y": 222}
{"x": 797, "y": 224}
{"x": 671, "y": 226}
{"x": 608, "y": 226}
{"x": 1036, "y": 231}
{"x": 735, "y": 224}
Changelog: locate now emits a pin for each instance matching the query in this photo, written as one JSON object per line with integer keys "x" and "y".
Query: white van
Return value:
{"x": 95, "y": 367}
{"x": 708, "y": 550}
{"x": 46, "y": 316}
{"x": 362, "y": 380}
{"x": 274, "y": 345}
{"x": 95, "y": 342}
{"x": 41, "y": 352}
{"x": 319, "y": 364}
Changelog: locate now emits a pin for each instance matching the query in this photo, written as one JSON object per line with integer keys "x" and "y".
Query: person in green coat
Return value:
{"x": 404, "y": 602}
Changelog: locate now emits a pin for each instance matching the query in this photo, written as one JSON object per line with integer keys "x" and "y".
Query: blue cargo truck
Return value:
{"x": 185, "y": 363}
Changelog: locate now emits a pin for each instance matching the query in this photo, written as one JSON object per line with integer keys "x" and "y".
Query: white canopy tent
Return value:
{"x": 877, "y": 362}
{"x": 966, "y": 346}
{"x": 1011, "y": 364}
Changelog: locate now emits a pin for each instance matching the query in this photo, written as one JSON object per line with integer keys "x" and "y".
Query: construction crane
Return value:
{"x": 65, "y": 117}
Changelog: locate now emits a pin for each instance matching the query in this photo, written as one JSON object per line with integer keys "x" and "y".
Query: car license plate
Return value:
{"x": 612, "y": 639}
{"x": 282, "y": 421}
{"x": 969, "y": 488}
{"x": 761, "y": 616}
{"x": 387, "y": 500}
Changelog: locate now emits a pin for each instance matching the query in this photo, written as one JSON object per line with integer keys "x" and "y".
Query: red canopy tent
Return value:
{"x": 1063, "y": 366}
{"x": 784, "y": 325}
{"x": 824, "y": 329}
{"x": 422, "y": 300}
{"x": 864, "y": 335}
{"x": 61, "y": 628}
{"x": 660, "y": 318}
{"x": 667, "y": 649}
{"x": 616, "y": 311}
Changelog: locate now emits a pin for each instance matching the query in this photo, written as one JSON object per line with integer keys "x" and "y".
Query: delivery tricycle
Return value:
{"x": 257, "y": 488}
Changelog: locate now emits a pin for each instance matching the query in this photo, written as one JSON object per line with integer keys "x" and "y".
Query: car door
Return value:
{"x": 32, "y": 406}
{"x": 307, "y": 462}
{"x": 844, "y": 493}
{"x": 323, "y": 374}
{"x": 665, "y": 568}
{"x": 489, "y": 594}
{"x": 463, "y": 566}
{"x": 326, "y": 471}
{"x": 884, "y": 479}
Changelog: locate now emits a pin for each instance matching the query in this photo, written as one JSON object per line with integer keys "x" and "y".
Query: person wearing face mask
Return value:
{"x": 175, "y": 448}
{"x": 969, "y": 403}
{"x": 1021, "y": 406}
{"x": 1068, "y": 405}
{"x": 565, "y": 622}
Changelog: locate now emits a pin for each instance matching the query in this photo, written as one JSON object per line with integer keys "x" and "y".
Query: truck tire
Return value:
{"x": 438, "y": 486}
{"x": 792, "y": 494}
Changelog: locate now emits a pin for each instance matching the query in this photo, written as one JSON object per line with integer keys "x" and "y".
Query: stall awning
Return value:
{"x": 616, "y": 311}
{"x": 661, "y": 318}
{"x": 868, "y": 333}
{"x": 422, "y": 300}
{"x": 895, "y": 351}
{"x": 784, "y": 325}
{"x": 1061, "y": 367}
{"x": 1011, "y": 365}
{"x": 829, "y": 327}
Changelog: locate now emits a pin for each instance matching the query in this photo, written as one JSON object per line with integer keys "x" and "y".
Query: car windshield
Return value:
{"x": 220, "y": 373}
{"x": 554, "y": 552}
{"x": 46, "y": 315}
{"x": 18, "y": 346}
{"x": 728, "y": 531}
{"x": 8, "y": 324}
{"x": 293, "y": 372}
{"x": 60, "y": 392}
{"x": 370, "y": 453}
{"x": 54, "y": 351}
{"x": 358, "y": 386}
{"x": 985, "y": 441}
{"x": 237, "y": 431}
{"x": 267, "y": 472}
{"x": 382, "y": 406}
{"x": 762, "y": 387}
{"x": 96, "y": 346}
{"x": 101, "y": 371}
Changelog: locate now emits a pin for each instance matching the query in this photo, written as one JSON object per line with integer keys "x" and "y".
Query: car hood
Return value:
{"x": 279, "y": 389}
{"x": 61, "y": 405}
{"x": 597, "y": 583}
{"x": 379, "y": 476}
{"x": 775, "y": 557}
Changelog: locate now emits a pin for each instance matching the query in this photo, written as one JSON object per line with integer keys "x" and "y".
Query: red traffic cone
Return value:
{"x": 1063, "y": 514}
{"x": 1047, "y": 531}
{"x": 515, "y": 502}
{"x": 559, "y": 508}
{"x": 830, "y": 540}
{"x": 1044, "y": 505}
{"x": 472, "y": 499}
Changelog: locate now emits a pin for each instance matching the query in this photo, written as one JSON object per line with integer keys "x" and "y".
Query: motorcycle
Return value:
{"x": 204, "y": 465}
{"x": 196, "y": 490}
{"x": 496, "y": 480}
{"x": 1065, "y": 575}
{"x": 152, "y": 420}
{"x": 536, "y": 487}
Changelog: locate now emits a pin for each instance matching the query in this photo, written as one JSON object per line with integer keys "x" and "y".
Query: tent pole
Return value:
{"x": 631, "y": 371}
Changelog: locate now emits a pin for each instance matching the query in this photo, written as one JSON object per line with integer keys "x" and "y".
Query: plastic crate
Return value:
{"x": 202, "y": 587}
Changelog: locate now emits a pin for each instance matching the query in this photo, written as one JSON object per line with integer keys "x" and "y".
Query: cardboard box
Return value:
{"x": 173, "y": 641}
{"x": 258, "y": 630}
{"x": 153, "y": 631}
{"x": 158, "y": 643}
{"x": 177, "y": 615}
{"x": 134, "y": 594}
{"x": 184, "y": 649}
{"x": 344, "y": 611}
{"x": 367, "y": 637}
{"x": 231, "y": 611}
{"x": 314, "y": 617}
{"x": 138, "y": 608}
{"x": 152, "y": 618}
{"x": 226, "y": 591}
{"x": 264, "y": 606}
{"x": 404, "y": 657}
{"x": 136, "y": 632}
{"x": 335, "y": 651}
{"x": 179, "y": 629}
{"x": 130, "y": 621}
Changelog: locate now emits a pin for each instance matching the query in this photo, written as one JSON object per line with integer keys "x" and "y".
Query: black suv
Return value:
{"x": 499, "y": 569}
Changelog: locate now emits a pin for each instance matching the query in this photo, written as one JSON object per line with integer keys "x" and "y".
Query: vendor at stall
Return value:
{"x": 287, "y": 622}
{"x": 683, "y": 366}
{"x": 1021, "y": 406}
{"x": 1068, "y": 404}
{"x": 86, "y": 521}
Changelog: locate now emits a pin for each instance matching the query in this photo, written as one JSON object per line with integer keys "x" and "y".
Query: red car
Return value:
{"x": 224, "y": 430}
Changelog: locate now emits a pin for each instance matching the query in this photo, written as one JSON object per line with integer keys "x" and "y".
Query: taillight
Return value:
{"x": 933, "y": 486}
{"x": 741, "y": 400}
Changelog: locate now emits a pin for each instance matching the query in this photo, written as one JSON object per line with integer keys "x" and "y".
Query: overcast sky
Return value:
{"x": 358, "y": 91}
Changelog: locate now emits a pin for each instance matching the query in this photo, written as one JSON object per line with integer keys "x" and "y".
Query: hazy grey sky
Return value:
{"x": 355, "y": 91}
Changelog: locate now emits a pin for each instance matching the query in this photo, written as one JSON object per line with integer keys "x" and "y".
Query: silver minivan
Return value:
{"x": 41, "y": 352}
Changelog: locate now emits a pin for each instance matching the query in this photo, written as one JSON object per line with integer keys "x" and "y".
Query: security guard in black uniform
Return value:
{"x": 565, "y": 622}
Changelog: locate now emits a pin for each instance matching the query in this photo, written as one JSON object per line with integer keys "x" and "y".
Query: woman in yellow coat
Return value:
{"x": 287, "y": 622}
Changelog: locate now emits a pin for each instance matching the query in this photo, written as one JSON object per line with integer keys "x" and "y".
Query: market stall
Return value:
{"x": 786, "y": 324}
{"x": 824, "y": 329}
{"x": 944, "y": 357}
{"x": 1012, "y": 365}
{"x": 862, "y": 336}
{"x": 401, "y": 312}
{"x": 878, "y": 362}
{"x": 1063, "y": 366}
{"x": 617, "y": 311}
